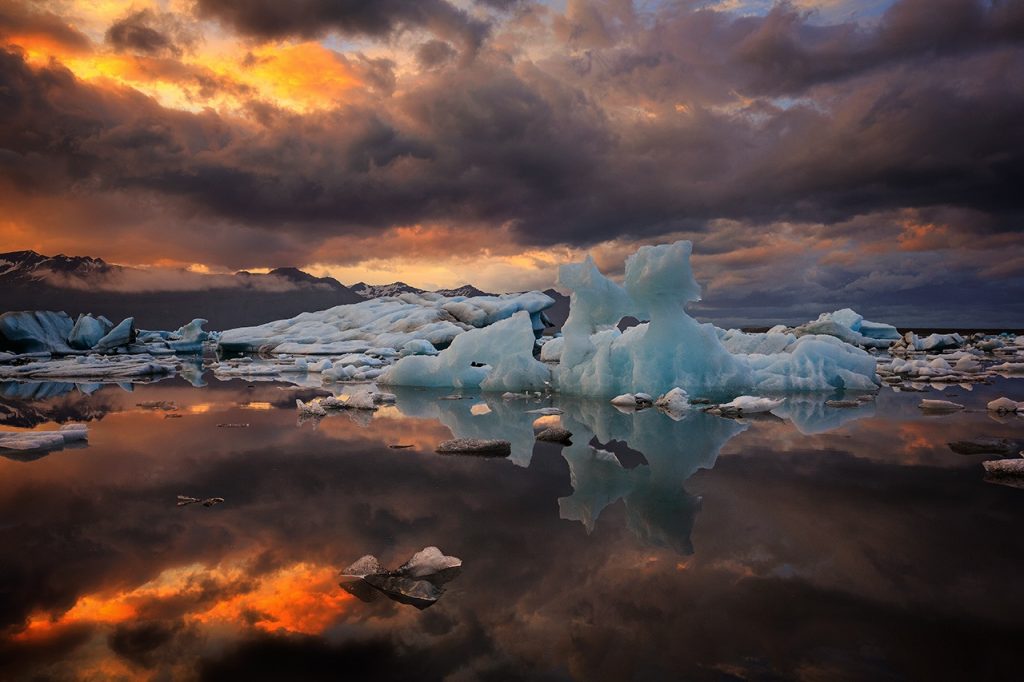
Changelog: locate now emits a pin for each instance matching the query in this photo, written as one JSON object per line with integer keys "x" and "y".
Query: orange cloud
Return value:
{"x": 301, "y": 598}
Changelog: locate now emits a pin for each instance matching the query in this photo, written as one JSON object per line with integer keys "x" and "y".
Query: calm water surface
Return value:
{"x": 835, "y": 544}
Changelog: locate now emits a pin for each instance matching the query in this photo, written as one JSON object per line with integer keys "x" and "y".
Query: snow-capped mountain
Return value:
{"x": 24, "y": 267}
{"x": 80, "y": 284}
{"x": 369, "y": 291}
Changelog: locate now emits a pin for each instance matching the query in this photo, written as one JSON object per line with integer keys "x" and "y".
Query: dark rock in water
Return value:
{"x": 399, "y": 446}
{"x": 185, "y": 500}
{"x": 418, "y": 593}
{"x": 165, "y": 405}
{"x": 842, "y": 403}
{"x": 1005, "y": 467}
{"x": 700, "y": 401}
{"x": 475, "y": 446}
{"x": 986, "y": 446}
{"x": 555, "y": 434}
{"x": 362, "y": 590}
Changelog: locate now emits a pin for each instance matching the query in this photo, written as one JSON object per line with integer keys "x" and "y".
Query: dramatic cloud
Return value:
{"x": 314, "y": 18}
{"x": 558, "y": 131}
{"x": 148, "y": 32}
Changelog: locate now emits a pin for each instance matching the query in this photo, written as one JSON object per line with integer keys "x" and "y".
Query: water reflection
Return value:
{"x": 684, "y": 542}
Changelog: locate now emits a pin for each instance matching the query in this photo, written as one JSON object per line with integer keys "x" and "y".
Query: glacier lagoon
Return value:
{"x": 816, "y": 541}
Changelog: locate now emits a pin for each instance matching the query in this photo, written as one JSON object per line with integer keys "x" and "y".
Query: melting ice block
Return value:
{"x": 496, "y": 358}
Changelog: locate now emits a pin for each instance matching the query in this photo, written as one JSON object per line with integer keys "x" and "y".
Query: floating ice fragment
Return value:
{"x": 939, "y": 406}
{"x": 364, "y": 566}
{"x": 1005, "y": 405}
{"x": 427, "y": 562}
{"x": 475, "y": 446}
{"x": 748, "y": 404}
{"x": 675, "y": 402}
{"x": 1004, "y": 467}
{"x": 843, "y": 403}
{"x": 417, "y": 582}
{"x": 312, "y": 408}
{"x": 41, "y": 441}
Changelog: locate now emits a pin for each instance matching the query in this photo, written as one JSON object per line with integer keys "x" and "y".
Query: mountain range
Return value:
{"x": 166, "y": 299}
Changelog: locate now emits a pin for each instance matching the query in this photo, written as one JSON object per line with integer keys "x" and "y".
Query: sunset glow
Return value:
{"x": 405, "y": 143}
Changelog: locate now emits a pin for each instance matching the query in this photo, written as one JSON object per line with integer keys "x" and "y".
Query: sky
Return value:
{"x": 819, "y": 154}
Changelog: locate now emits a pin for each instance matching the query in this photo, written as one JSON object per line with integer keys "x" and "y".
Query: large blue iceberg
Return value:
{"x": 670, "y": 349}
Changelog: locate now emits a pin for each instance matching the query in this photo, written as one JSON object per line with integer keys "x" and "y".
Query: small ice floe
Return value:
{"x": 232, "y": 426}
{"x": 453, "y": 396}
{"x": 843, "y": 403}
{"x": 475, "y": 446}
{"x": 366, "y": 399}
{"x": 400, "y": 446}
{"x": 636, "y": 401}
{"x": 1005, "y": 405}
{"x": 1009, "y": 468}
{"x": 939, "y": 406}
{"x": 986, "y": 446}
{"x": 164, "y": 405}
{"x": 1009, "y": 368}
{"x": 40, "y": 441}
{"x": 675, "y": 401}
{"x": 417, "y": 582}
{"x": 185, "y": 500}
{"x": 746, "y": 404}
{"x": 555, "y": 434}
{"x": 546, "y": 411}
{"x": 313, "y": 408}
{"x": 382, "y": 398}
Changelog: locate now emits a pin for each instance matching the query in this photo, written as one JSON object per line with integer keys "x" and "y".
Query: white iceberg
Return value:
{"x": 851, "y": 327}
{"x": 412, "y": 324}
{"x": 28, "y": 441}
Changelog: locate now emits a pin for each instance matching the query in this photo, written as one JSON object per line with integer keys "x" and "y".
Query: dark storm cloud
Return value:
{"x": 269, "y": 19}
{"x": 148, "y": 32}
{"x": 434, "y": 53}
{"x": 631, "y": 129}
{"x": 495, "y": 142}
